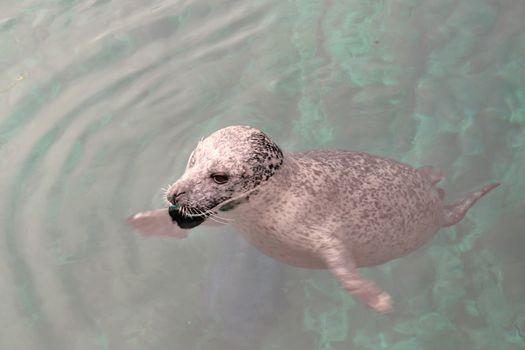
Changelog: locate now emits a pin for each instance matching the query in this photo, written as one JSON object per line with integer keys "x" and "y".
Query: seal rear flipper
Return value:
{"x": 434, "y": 174}
{"x": 455, "y": 212}
{"x": 342, "y": 264}
{"x": 156, "y": 223}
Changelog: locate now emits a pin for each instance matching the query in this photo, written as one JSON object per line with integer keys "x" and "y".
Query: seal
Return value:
{"x": 321, "y": 209}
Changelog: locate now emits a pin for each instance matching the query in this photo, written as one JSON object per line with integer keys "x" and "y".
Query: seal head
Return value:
{"x": 221, "y": 172}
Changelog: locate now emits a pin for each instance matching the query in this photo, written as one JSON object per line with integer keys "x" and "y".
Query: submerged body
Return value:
{"x": 338, "y": 210}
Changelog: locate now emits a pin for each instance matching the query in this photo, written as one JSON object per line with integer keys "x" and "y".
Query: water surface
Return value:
{"x": 101, "y": 102}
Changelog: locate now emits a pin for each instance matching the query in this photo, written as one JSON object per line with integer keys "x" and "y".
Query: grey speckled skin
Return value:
{"x": 319, "y": 209}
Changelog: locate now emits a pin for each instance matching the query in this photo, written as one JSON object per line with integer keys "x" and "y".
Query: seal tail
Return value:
{"x": 455, "y": 212}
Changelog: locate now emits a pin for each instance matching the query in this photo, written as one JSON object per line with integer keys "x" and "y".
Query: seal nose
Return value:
{"x": 174, "y": 197}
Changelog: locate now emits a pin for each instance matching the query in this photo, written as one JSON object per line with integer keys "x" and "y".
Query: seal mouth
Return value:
{"x": 185, "y": 217}
{"x": 189, "y": 217}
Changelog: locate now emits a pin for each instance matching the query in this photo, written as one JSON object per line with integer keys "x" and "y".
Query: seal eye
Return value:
{"x": 219, "y": 178}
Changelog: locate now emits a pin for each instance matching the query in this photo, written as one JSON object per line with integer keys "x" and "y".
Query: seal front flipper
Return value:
{"x": 340, "y": 261}
{"x": 157, "y": 223}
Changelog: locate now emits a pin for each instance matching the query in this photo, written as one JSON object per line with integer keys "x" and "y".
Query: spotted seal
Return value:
{"x": 320, "y": 209}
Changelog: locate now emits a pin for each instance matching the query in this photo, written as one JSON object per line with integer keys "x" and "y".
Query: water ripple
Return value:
{"x": 102, "y": 101}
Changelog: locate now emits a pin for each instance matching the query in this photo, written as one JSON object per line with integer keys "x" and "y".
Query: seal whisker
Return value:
{"x": 213, "y": 216}
{"x": 194, "y": 212}
{"x": 222, "y": 217}
{"x": 233, "y": 199}
{"x": 217, "y": 221}
{"x": 165, "y": 191}
{"x": 166, "y": 188}
{"x": 224, "y": 221}
{"x": 165, "y": 199}
{"x": 199, "y": 213}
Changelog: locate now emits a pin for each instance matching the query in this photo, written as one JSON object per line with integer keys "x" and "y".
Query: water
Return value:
{"x": 102, "y": 101}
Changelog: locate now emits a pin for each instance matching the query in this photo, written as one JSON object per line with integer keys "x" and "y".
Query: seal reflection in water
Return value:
{"x": 332, "y": 209}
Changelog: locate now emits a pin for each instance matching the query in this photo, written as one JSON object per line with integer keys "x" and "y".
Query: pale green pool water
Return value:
{"x": 101, "y": 101}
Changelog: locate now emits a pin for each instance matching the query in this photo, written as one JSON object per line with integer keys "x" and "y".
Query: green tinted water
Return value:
{"x": 102, "y": 101}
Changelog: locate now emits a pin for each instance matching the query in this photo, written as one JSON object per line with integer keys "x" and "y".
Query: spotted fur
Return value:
{"x": 330, "y": 209}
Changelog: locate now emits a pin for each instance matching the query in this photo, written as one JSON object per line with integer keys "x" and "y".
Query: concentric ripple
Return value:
{"x": 102, "y": 101}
